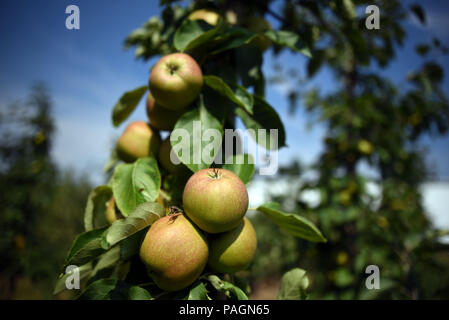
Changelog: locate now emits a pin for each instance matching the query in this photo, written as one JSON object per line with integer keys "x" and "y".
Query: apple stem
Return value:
{"x": 172, "y": 69}
{"x": 215, "y": 173}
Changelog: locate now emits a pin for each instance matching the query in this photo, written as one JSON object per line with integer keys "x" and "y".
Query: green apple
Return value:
{"x": 112, "y": 214}
{"x": 174, "y": 252}
{"x": 259, "y": 25}
{"x": 137, "y": 141}
{"x": 216, "y": 200}
{"x": 234, "y": 250}
{"x": 162, "y": 118}
{"x": 211, "y": 17}
{"x": 175, "y": 81}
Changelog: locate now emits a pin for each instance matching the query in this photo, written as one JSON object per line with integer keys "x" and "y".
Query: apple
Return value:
{"x": 112, "y": 214}
{"x": 174, "y": 252}
{"x": 175, "y": 81}
{"x": 211, "y": 17}
{"x": 165, "y": 161}
{"x": 162, "y": 118}
{"x": 137, "y": 141}
{"x": 216, "y": 200}
{"x": 259, "y": 25}
{"x": 234, "y": 250}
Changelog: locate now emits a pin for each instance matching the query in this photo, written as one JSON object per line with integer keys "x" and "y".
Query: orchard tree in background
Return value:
{"x": 40, "y": 204}
{"x": 161, "y": 230}
{"x": 27, "y": 174}
{"x": 370, "y": 121}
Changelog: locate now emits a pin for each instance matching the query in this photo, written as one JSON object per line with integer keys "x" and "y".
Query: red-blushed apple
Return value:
{"x": 174, "y": 252}
{"x": 175, "y": 81}
{"x": 234, "y": 250}
{"x": 165, "y": 161}
{"x": 137, "y": 141}
{"x": 162, "y": 118}
{"x": 216, "y": 200}
{"x": 211, "y": 17}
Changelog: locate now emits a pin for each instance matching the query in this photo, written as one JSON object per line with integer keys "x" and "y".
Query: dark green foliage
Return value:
{"x": 40, "y": 207}
{"x": 369, "y": 120}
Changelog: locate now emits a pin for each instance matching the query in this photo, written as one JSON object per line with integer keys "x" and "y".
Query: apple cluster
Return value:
{"x": 213, "y": 231}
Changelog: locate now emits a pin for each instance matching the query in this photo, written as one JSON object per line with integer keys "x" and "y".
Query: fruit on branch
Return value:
{"x": 165, "y": 161}
{"x": 161, "y": 118}
{"x": 211, "y": 17}
{"x": 259, "y": 25}
{"x": 234, "y": 250}
{"x": 137, "y": 141}
{"x": 112, "y": 213}
{"x": 231, "y": 17}
{"x": 175, "y": 81}
{"x": 174, "y": 252}
{"x": 215, "y": 199}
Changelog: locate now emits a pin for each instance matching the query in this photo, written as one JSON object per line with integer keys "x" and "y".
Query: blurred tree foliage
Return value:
{"x": 41, "y": 207}
{"x": 370, "y": 121}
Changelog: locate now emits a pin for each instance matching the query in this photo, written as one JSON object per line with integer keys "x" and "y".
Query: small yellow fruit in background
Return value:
{"x": 259, "y": 25}
{"x": 211, "y": 17}
{"x": 365, "y": 146}
{"x": 111, "y": 211}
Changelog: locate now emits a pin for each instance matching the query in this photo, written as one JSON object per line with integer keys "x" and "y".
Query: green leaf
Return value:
{"x": 138, "y": 293}
{"x": 227, "y": 288}
{"x": 349, "y": 9}
{"x": 136, "y": 183}
{"x": 198, "y": 292}
{"x": 94, "y": 214}
{"x": 249, "y": 68}
{"x": 234, "y": 38}
{"x": 239, "y": 95}
{"x": 419, "y": 12}
{"x": 315, "y": 62}
{"x": 193, "y": 33}
{"x": 143, "y": 216}
{"x": 131, "y": 245}
{"x": 99, "y": 290}
{"x": 264, "y": 117}
{"x": 293, "y": 285}
{"x": 242, "y": 165}
{"x": 126, "y": 105}
{"x": 107, "y": 260}
{"x": 195, "y": 152}
{"x": 85, "y": 248}
{"x": 84, "y": 271}
{"x": 288, "y": 39}
{"x": 114, "y": 289}
{"x": 296, "y": 225}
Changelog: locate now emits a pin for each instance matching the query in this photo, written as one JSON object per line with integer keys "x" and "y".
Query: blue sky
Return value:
{"x": 87, "y": 70}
